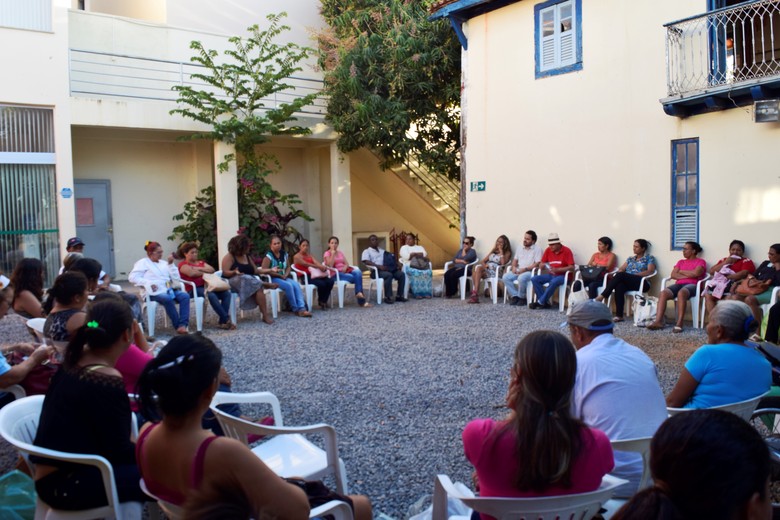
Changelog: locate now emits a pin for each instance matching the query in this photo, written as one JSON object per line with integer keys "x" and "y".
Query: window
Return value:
{"x": 685, "y": 192}
{"x": 28, "y": 14}
{"x": 557, "y": 28}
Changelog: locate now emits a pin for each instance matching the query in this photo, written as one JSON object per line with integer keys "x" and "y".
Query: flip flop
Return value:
{"x": 653, "y": 326}
{"x": 677, "y": 329}
{"x": 617, "y": 319}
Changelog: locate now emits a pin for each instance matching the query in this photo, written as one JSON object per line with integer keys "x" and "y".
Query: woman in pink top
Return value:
{"x": 686, "y": 274}
{"x": 540, "y": 449}
{"x": 336, "y": 259}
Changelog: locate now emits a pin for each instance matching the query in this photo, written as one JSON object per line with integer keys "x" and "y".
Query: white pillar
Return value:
{"x": 341, "y": 200}
{"x": 226, "y": 197}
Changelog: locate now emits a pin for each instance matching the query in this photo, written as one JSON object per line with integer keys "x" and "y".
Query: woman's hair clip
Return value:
{"x": 148, "y": 242}
{"x": 92, "y": 324}
{"x": 178, "y": 361}
{"x": 748, "y": 322}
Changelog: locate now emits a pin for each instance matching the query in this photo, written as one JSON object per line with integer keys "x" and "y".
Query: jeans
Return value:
{"x": 509, "y": 286}
{"x": 387, "y": 277}
{"x": 220, "y": 302}
{"x": 553, "y": 280}
{"x": 355, "y": 277}
{"x": 292, "y": 290}
{"x": 167, "y": 300}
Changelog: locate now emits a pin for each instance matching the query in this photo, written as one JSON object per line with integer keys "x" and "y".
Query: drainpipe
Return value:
{"x": 463, "y": 133}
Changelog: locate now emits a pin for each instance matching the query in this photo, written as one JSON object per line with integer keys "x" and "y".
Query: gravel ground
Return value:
{"x": 399, "y": 382}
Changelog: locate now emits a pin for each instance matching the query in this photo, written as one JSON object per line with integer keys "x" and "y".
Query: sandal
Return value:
{"x": 474, "y": 298}
{"x": 267, "y": 321}
{"x": 617, "y": 319}
{"x": 303, "y": 314}
{"x": 272, "y": 285}
{"x": 654, "y": 326}
{"x": 677, "y": 329}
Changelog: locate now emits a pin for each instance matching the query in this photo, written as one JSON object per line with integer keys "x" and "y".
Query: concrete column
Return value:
{"x": 226, "y": 195}
{"x": 341, "y": 200}
{"x": 312, "y": 204}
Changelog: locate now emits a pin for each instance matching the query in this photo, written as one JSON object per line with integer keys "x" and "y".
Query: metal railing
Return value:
{"x": 723, "y": 47}
{"x": 105, "y": 74}
{"x": 447, "y": 190}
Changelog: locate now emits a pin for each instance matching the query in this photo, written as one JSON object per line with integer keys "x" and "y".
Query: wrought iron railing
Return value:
{"x": 447, "y": 190}
{"x": 723, "y": 47}
{"x": 115, "y": 75}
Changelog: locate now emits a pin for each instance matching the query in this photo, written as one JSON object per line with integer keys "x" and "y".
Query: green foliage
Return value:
{"x": 393, "y": 81}
{"x": 238, "y": 103}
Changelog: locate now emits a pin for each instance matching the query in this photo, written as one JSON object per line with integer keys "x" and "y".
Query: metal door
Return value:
{"x": 94, "y": 224}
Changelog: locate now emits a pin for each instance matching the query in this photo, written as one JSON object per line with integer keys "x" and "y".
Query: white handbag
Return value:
{"x": 645, "y": 309}
{"x": 577, "y": 297}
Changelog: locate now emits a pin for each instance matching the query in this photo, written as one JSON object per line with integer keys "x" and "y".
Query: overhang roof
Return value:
{"x": 465, "y": 9}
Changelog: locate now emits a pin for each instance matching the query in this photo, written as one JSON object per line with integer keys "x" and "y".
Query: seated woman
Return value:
{"x": 769, "y": 273}
{"x": 540, "y": 449}
{"x": 158, "y": 280}
{"x": 336, "y": 259}
{"x": 241, "y": 272}
{"x": 629, "y": 276}
{"x": 319, "y": 274}
{"x": 726, "y": 370}
{"x": 488, "y": 267}
{"x": 705, "y": 464}
{"x": 420, "y": 280}
{"x": 464, "y": 256}
{"x": 773, "y": 324}
{"x": 87, "y": 411}
{"x": 179, "y": 460}
{"x": 192, "y": 270}
{"x": 276, "y": 264}
{"x": 27, "y": 282}
{"x": 69, "y": 297}
{"x": 603, "y": 257}
{"x": 686, "y": 273}
{"x": 728, "y": 270}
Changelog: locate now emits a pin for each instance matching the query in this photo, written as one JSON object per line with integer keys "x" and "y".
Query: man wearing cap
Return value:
{"x": 526, "y": 259}
{"x": 76, "y": 245}
{"x": 616, "y": 389}
{"x": 556, "y": 261}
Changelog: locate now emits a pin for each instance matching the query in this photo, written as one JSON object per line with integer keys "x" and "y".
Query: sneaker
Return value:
{"x": 401, "y": 299}
{"x": 515, "y": 300}
{"x": 545, "y": 305}
{"x": 522, "y": 302}
{"x": 388, "y": 301}
{"x": 533, "y": 305}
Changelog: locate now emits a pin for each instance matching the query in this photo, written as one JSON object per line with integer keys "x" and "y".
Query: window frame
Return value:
{"x": 675, "y": 243}
{"x": 576, "y": 6}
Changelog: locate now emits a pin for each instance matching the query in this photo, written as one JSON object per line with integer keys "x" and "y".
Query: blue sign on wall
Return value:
{"x": 66, "y": 193}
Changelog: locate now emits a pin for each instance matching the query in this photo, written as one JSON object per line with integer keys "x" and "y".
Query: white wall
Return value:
{"x": 588, "y": 153}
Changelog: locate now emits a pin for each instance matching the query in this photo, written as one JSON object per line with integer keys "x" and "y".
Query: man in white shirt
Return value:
{"x": 616, "y": 390}
{"x": 526, "y": 260}
{"x": 374, "y": 256}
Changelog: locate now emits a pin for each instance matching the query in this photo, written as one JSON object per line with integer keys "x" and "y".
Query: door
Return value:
{"x": 94, "y": 224}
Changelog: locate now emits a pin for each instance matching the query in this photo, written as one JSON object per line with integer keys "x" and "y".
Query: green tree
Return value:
{"x": 393, "y": 81}
{"x": 237, "y": 102}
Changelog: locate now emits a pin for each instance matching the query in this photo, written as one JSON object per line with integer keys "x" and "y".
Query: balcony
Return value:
{"x": 723, "y": 59}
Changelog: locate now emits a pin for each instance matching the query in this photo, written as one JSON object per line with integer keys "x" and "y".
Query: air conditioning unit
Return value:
{"x": 766, "y": 111}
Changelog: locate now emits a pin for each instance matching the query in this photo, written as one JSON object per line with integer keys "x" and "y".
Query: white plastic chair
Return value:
{"x": 376, "y": 281}
{"x": 742, "y": 409}
{"x": 172, "y": 511}
{"x": 765, "y": 307}
{"x": 151, "y": 305}
{"x": 463, "y": 280}
{"x": 16, "y": 390}
{"x": 644, "y": 287}
{"x": 308, "y": 288}
{"x": 580, "y": 506}
{"x": 341, "y": 285}
{"x": 642, "y": 447}
{"x": 406, "y": 285}
{"x": 694, "y": 300}
{"x": 529, "y": 288}
{"x": 18, "y": 426}
{"x": 234, "y": 304}
{"x": 566, "y": 286}
{"x": 288, "y": 453}
{"x": 492, "y": 282}
{"x": 36, "y": 326}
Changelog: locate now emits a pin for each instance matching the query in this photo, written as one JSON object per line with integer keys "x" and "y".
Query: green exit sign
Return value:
{"x": 478, "y": 186}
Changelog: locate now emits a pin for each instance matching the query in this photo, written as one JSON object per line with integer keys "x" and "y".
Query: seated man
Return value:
{"x": 556, "y": 261}
{"x": 616, "y": 389}
{"x": 526, "y": 259}
{"x": 375, "y": 256}
{"x": 76, "y": 245}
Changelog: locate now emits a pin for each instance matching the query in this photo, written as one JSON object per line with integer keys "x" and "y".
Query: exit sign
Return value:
{"x": 478, "y": 186}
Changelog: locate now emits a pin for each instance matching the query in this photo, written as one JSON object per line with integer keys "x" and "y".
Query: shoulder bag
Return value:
{"x": 751, "y": 286}
{"x": 215, "y": 283}
{"x": 419, "y": 262}
{"x": 592, "y": 273}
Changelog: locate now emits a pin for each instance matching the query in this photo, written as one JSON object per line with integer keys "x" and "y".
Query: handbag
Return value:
{"x": 389, "y": 262}
{"x": 577, "y": 297}
{"x": 420, "y": 263}
{"x": 37, "y": 381}
{"x": 751, "y": 286}
{"x": 314, "y": 272}
{"x": 592, "y": 273}
{"x": 645, "y": 309}
{"x": 215, "y": 283}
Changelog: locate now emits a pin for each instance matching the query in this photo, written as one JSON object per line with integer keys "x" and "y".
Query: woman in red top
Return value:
{"x": 192, "y": 270}
{"x": 319, "y": 274}
{"x": 738, "y": 266}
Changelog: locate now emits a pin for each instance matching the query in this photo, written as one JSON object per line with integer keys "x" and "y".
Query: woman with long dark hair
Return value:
{"x": 705, "y": 464}
{"x": 629, "y": 276}
{"x": 86, "y": 410}
{"x": 540, "y": 449}
{"x": 27, "y": 281}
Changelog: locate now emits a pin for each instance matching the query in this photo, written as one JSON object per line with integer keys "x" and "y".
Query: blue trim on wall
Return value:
{"x": 467, "y": 9}
{"x": 537, "y": 41}
{"x": 457, "y": 24}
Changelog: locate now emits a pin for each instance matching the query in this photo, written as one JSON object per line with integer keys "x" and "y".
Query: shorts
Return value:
{"x": 676, "y": 288}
